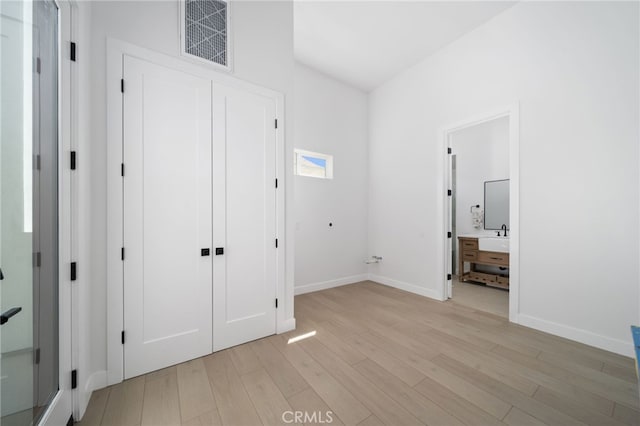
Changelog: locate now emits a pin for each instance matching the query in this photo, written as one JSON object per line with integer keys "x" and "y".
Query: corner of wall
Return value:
{"x": 97, "y": 380}
{"x": 310, "y": 288}
{"x": 411, "y": 288}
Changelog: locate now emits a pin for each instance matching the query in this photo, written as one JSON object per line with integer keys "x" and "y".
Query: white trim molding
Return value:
{"x": 62, "y": 404}
{"x": 324, "y": 285}
{"x": 411, "y": 288}
{"x": 622, "y": 347}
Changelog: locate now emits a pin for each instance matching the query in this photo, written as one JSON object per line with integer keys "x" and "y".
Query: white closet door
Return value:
{"x": 167, "y": 217}
{"x": 244, "y": 200}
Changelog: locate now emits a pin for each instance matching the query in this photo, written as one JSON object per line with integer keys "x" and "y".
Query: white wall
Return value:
{"x": 263, "y": 54}
{"x": 330, "y": 118}
{"x": 482, "y": 154}
{"x": 573, "y": 67}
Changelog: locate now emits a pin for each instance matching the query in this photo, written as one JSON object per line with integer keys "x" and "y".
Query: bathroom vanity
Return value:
{"x": 492, "y": 251}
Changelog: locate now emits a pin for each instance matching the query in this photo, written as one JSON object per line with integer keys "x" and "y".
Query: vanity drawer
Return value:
{"x": 469, "y": 244}
{"x": 469, "y": 255}
{"x": 494, "y": 257}
{"x": 482, "y": 277}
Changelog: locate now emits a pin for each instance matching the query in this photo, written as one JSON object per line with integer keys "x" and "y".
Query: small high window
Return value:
{"x": 313, "y": 164}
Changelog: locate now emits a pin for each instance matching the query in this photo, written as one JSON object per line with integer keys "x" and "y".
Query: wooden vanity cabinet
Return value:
{"x": 470, "y": 253}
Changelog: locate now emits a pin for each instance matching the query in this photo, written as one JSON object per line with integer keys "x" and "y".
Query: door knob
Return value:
{"x": 6, "y": 316}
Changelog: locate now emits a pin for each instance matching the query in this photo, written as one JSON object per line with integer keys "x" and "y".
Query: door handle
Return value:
{"x": 6, "y": 316}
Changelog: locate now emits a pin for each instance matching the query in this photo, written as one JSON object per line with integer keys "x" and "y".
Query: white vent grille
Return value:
{"x": 206, "y": 30}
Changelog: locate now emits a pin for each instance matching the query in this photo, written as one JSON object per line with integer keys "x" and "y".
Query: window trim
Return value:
{"x": 327, "y": 157}
{"x": 183, "y": 51}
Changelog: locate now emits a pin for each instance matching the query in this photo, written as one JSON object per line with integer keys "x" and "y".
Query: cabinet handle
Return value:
{"x": 495, "y": 258}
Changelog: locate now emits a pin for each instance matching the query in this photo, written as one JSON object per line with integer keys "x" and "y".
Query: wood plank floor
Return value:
{"x": 481, "y": 297}
{"x": 384, "y": 356}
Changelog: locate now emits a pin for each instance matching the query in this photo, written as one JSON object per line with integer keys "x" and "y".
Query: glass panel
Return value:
{"x": 28, "y": 209}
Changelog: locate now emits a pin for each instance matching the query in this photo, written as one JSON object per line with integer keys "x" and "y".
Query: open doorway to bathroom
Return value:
{"x": 479, "y": 215}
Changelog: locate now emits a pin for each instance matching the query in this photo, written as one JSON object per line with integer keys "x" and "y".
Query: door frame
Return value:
{"x": 63, "y": 403}
{"x": 116, "y": 50}
{"x": 513, "y": 113}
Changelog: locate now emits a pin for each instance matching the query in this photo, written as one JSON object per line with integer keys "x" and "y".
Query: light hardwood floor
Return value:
{"x": 384, "y": 356}
{"x": 481, "y": 297}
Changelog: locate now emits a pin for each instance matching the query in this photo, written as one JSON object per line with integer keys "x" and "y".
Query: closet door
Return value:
{"x": 244, "y": 211}
{"x": 167, "y": 217}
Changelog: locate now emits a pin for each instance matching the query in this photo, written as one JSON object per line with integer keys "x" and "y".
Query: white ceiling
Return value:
{"x": 365, "y": 43}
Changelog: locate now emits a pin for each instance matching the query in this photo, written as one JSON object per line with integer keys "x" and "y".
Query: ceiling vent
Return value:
{"x": 206, "y": 31}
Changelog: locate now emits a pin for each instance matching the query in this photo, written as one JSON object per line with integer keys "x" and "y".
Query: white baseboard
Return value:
{"x": 97, "y": 380}
{"x": 579, "y": 335}
{"x": 411, "y": 288}
{"x": 287, "y": 325}
{"x": 308, "y": 288}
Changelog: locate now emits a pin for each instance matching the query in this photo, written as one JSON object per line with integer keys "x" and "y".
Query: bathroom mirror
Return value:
{"x": 496, "y": 204}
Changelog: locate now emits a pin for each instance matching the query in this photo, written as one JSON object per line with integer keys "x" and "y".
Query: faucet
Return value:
{"x": 504, "y": 228}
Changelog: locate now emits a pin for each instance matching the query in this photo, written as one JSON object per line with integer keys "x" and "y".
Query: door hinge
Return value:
{"x": 276, "y": 123}
{"x": 122, "y": 253}
{"x": 122, "y": 169}
{"x": 276, "y": 303}
{"x": 448, "y": 150}
{"x": 122, "y": 85}
{"x": 74, "y": 379}
{"x": 38, "y": 65}
{"x": 448, "y": 234}
{"x": 73, "y": 160}
{"x": 276, "y": 183}
{"x": 73, "y": 271}
{"x": 449, "y": 192}
{"x": 37, "y": 259}
{"x": 36, "y": 162}
{"x": 122, "y": 337}
{"x": 72, "y": 51}
{"x": 448, "y": 277}
{"x": 276, "y": 243}
{"x": 36, "y": 356}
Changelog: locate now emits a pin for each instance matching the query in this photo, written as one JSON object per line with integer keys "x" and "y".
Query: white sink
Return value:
{"x": 499, "y": 244}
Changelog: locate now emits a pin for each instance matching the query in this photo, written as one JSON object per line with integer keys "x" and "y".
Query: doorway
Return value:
{"x": 480, "y": 159}
{"x": 29, "y": 243}
{"x": 481, "y": 213}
